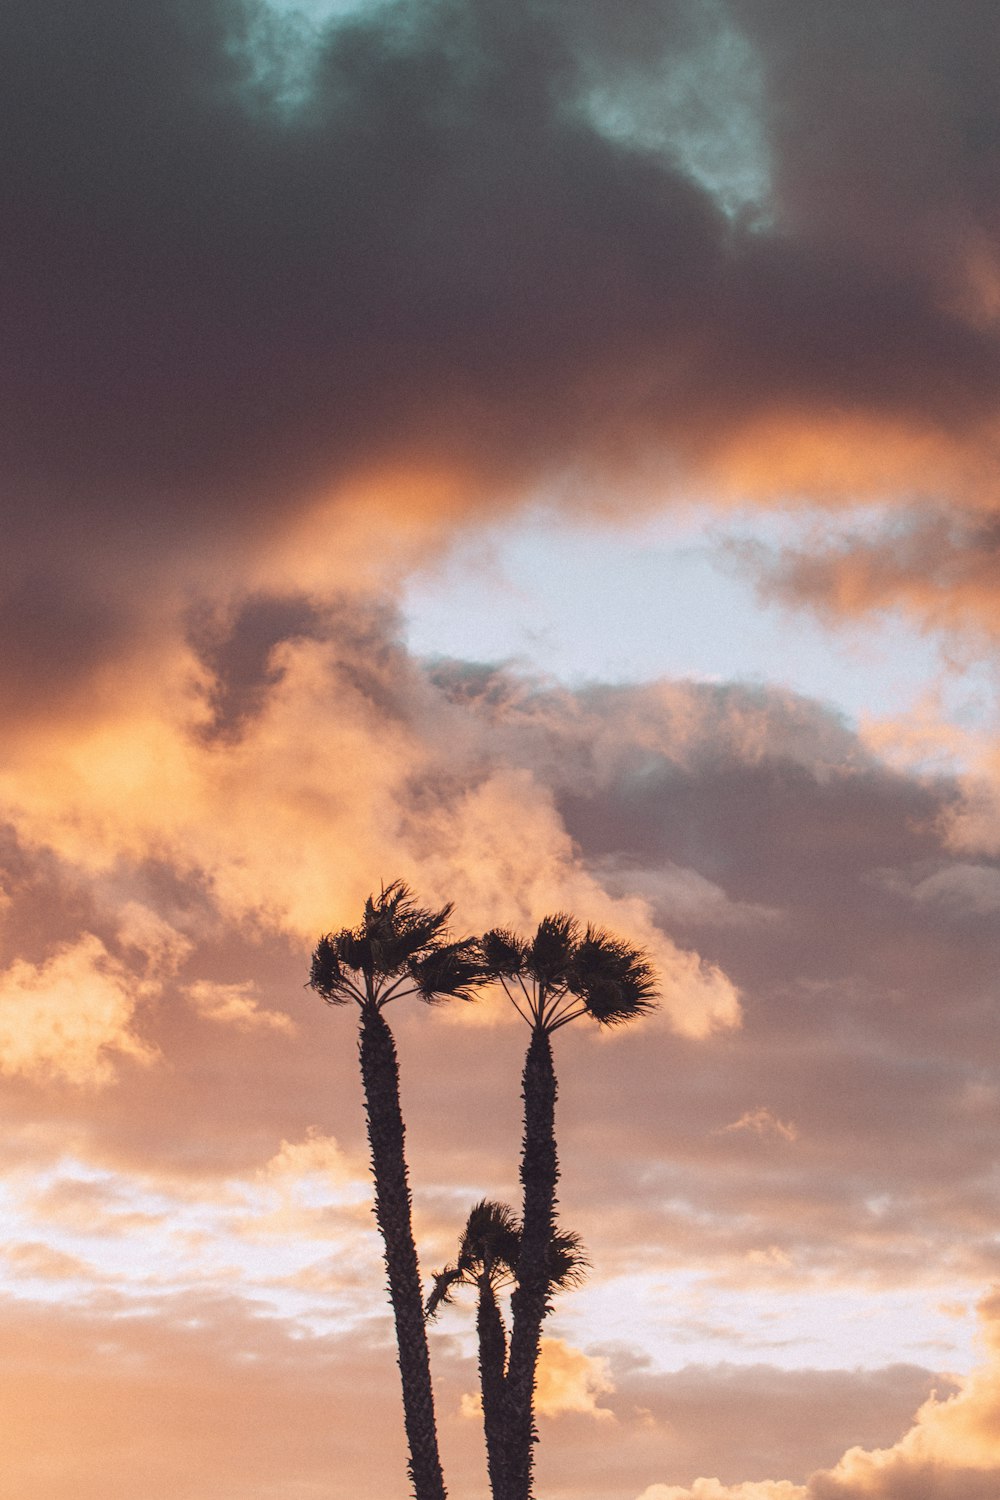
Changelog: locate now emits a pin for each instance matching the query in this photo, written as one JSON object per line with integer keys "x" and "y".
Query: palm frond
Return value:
{"x": 614, "y": 980}
{"x": 395, "y": 939}
{"x": 504, "y": 954}
{"x": 488, "y": 1248}
{"x": 553, "y": 948}
{"x": 397, "y": 929}
{"x": 326, "y": 976}
{"x": 444, "y": 1284}
{"x": 448, "y": 971}
{"x": 568, "y": 1261}
{"x": 491, "y": 1240}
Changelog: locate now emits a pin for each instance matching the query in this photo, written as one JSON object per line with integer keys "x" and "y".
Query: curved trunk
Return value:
{"x": 380, "y": 1075}
{"x": 530, "y": 1303}
{"x": 492, "y": 1359}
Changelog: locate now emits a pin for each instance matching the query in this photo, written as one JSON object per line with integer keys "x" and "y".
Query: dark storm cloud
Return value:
{"x": 243, "y": 260}
{"x": 212, "y": 296}
{"x": 884, "y": 123}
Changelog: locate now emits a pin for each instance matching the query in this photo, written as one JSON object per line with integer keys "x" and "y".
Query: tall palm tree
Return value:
{"x": 398, "y": 949}
{"x": 551, "y": 980}
{"x": 487, "y": 1260}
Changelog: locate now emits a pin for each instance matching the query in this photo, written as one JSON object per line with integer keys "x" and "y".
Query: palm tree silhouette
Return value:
{"x": 557, "y": 976}
{"x": 398, "y": 949}
{"x": 487, "y": 1260}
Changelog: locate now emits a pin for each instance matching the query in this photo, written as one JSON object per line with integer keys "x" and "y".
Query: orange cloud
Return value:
{"x": 762, "y": 1121}
{"x": 324, "y": 766}
{"x": 70, "y": 1018}
{"x": 236, "y": 1005}
{"x": 570, "y": 1381}
{"x": 840, "y": 459}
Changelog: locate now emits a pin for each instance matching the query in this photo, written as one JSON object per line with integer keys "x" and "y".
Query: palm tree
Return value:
{"x": 551, "y": 980}
{"x": 487, "y": 1260}
{"x": 399, "y": 949}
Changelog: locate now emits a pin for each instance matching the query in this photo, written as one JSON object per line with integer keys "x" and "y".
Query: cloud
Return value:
{"x": 249, "y": 330}
{"x": 937, "y": 565}
{"x": 685, "y": 892}
{"x": 200, "y": 1387}
{"x": 316, "y": 1154}
{"x": 195, "y": 1391}
{"x": 418, "y": 791}
{"x": 70, "y": 1018}
{"x": 569, "y": 1380}
{"x": 236, "y": 1005}
{"x": 762, "y": 1122}
{"x": 348, "y": 762}
{"x": 951, "y": 1452}
{"x": 711, "y": 1489}
{"x": 144, "y": 930}
{"x": 963, "y": 890}
{"x": 36, "y": 1260}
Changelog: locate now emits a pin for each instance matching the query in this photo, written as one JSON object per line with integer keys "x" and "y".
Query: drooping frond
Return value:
{"x": 448, "y": 971}
{"x": 326, "y": 975}
{"x": 614, "y": 980}
{"x": 568, "y": 1261}
{"x": 444, "y": 1284}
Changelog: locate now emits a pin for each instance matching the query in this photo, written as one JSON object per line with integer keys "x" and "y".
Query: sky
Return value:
{"x": 545, "y": 453}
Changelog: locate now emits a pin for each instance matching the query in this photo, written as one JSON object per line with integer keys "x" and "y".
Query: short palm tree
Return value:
{"x": 398, "y": 949}
{"x": 552, "y": 979}
{"x": 487, "y": 1260}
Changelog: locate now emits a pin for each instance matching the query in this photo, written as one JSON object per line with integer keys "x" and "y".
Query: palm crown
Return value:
{"x": 563, "y": 973}
{"x": 397, "y": 949}
{"x": 489, "y": 1248}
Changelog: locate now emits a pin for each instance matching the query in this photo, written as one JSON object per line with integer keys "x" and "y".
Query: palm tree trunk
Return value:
{"x": 380, "y": 1076}
{"x": 530, "y": 1303}
{"x": 492, "y": 1359}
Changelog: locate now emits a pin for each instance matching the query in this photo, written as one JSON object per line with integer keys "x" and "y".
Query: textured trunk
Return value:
{"x": 530, "y": 1303}
{"x": 492, "y": 1359}
{"x": 380, "y": 1075}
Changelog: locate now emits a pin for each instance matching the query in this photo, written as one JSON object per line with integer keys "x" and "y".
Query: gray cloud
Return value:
{"x": 217, "y": 298}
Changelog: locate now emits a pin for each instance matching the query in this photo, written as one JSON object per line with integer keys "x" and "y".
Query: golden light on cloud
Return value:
{"x": 367, "y": 530}
{"x": 236, "y": 1005}
{"x": 323, "y": 768}
{"x": 71, "y": 1018}
{"x": 762, "y": 1121}
{"x": 849, "y": 457}
{"x": 568, "y": 1382}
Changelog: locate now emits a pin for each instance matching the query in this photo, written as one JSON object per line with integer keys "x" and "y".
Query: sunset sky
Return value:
{"x": 545, "y": 451}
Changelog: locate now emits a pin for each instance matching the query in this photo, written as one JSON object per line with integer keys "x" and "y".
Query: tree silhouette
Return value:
{"x": 487, "y": 1260}
{"x": 551, "y": 980}
{"x": 397, "y": 950}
